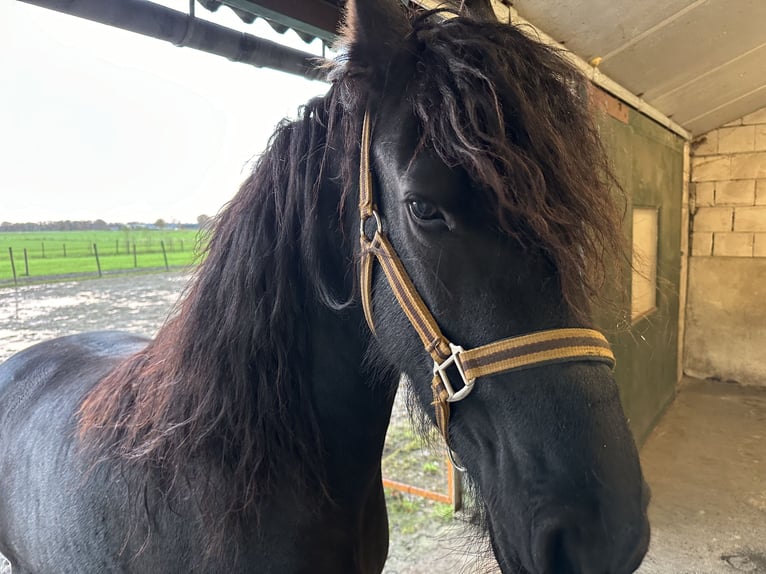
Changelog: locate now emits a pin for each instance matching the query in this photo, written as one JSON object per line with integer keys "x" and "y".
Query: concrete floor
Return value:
{"x": 706, "y": 464}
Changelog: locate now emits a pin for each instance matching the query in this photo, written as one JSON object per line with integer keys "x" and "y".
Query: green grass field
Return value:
{"x": 56, "y": 253}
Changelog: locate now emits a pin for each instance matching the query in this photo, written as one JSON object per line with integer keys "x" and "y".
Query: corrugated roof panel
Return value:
{"x": 716, "y": 90}
{"x": 597, "y": 27}
{"x": 310, "y": 19}
{"x": 697, "y": 61}
{"x": 702, "y": 39}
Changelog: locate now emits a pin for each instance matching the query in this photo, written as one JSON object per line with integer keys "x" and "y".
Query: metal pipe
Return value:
{"x": 150, "y": 19}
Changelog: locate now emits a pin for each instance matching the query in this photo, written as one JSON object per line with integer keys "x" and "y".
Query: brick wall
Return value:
{"x": 725, "y": 313}
{"x": 728, "y": 189}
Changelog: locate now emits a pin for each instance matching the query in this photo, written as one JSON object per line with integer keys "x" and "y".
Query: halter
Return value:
{"x": 514, "y": 353}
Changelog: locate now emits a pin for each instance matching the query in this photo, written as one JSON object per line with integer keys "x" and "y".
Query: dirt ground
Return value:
{"x": 136, "y": 303}
{"x": 705, "y": 461}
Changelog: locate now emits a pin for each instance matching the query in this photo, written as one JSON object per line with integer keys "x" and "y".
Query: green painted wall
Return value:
{"x": 648, "y": 161}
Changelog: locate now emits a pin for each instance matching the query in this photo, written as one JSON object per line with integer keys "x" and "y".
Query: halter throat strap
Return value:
{"x": 451, "y": 361}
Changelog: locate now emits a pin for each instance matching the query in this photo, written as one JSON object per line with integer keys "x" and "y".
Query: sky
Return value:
{"x": 99, "y": 123}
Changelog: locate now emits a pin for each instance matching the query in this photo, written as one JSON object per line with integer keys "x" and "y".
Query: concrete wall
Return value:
{"x": 726, "y": 307}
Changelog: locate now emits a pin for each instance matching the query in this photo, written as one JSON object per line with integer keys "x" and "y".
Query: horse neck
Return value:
{"x": 352, "y": 397}
{"x": 353, "y": 404}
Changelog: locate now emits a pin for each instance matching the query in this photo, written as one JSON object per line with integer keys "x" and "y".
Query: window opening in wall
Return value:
{"x": 644, "y": 280}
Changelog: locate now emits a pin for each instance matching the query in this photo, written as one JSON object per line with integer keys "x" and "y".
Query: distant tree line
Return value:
{"x": 97, "y": 225}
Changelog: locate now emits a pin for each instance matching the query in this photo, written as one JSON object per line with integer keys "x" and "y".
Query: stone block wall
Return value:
{"x": 728, "y": 190}
{"x": 725, "y": 334}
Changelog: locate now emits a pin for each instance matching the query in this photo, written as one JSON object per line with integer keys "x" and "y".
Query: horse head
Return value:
{"x": 492, "y": 188}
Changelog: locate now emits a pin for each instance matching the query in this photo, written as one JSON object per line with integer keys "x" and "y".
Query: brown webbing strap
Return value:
{"x": 366, "y": 206}
{"x": 409, "y": 300}
{"x": 366, "y": 210}
{"x": 406, "y": 293}
{"x": 552, "y": 346}
{"x": 544, "y": 347}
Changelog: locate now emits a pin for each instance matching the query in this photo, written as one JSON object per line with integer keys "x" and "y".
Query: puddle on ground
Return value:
{"x": 30, "y": 314}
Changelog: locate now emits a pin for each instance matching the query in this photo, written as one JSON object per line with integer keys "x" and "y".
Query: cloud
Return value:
{"x": 101, "y": 123}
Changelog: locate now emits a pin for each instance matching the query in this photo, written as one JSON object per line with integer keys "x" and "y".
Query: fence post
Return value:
{"x": 116, "y": 246}
{"x": 64, "y": 244}
{"x": 98, "y": 263}
{"x": 455, "y": 485}
{"x": 13, "y": 266}
{"x": 26, "y": 262}
{"x": 43, "y": 244}
{"x": 164, "y": 254}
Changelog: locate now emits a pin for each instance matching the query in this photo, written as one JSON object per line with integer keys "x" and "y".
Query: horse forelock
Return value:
{"x": 515, "y": 115}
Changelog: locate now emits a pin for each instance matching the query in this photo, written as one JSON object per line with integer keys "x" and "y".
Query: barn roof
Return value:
{"x": 702, "y": 63}
{"x": 693, "y": 65}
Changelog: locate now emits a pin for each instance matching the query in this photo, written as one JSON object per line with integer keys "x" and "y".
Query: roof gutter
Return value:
{"x": 180, "y": 29}
{"x": 307, "y": 17}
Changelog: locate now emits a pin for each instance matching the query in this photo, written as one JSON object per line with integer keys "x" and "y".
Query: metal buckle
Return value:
{"x": 441, "y": 370}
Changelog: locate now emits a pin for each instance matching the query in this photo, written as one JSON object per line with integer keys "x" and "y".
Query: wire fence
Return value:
{"x": 39, "y": 260}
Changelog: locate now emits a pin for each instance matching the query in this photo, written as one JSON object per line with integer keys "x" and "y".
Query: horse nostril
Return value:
{"x": 553, "y": 549}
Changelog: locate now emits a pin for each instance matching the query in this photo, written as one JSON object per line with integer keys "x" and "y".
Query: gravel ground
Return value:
{"x": 137, "y": 303}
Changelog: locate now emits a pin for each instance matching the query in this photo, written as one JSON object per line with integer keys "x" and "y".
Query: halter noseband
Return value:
{"x": 514, "y": 353}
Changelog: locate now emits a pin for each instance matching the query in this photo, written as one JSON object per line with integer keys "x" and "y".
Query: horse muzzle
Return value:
{"x": 572, "y": 540}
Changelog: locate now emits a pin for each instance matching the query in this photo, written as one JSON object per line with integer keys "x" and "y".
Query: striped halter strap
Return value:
{"x": 541, "y": 348}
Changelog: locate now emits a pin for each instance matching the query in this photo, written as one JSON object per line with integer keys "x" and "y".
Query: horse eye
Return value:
{"x": 424, "y": 210}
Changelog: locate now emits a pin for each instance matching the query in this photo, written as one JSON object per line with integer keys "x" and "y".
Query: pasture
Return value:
{"x": 44, "y": 255}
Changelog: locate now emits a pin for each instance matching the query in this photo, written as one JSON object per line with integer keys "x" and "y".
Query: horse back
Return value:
{"x": 41, "y": 389}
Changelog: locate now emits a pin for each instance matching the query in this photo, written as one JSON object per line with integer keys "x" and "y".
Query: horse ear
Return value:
{"x": 373, "y": 32}
{"x": 479, "y": 10}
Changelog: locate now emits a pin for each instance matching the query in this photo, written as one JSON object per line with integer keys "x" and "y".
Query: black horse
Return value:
{"x": 247, "y": 436}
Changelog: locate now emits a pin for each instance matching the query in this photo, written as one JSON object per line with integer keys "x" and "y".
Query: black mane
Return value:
{"x": 224, "y": 377}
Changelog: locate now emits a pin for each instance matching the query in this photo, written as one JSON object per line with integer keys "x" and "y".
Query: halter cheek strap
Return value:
{"x": 515, "y": 353}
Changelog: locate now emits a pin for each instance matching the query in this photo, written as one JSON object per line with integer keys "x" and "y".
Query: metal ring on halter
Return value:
{"x": 378, "y": 223}
{"x": 459, "y": 467}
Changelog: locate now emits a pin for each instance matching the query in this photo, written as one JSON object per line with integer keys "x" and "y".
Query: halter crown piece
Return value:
{"x": 514, "y": 353}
